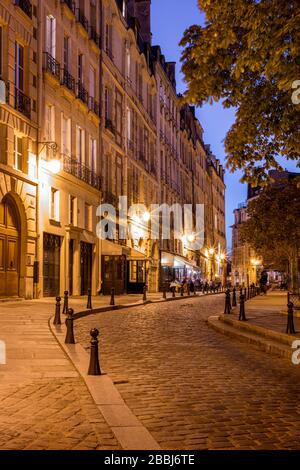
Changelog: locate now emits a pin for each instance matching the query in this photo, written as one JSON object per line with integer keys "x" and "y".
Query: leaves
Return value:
{"x": 247, "y": 56}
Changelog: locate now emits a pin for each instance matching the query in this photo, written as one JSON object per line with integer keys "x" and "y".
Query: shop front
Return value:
{"x": 174, "y": 267}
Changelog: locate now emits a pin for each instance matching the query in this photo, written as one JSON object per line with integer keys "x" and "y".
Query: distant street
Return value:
{"x": 192, "y": 387}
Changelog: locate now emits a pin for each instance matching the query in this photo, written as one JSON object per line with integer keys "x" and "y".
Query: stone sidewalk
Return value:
{"x": 265, "y": 326}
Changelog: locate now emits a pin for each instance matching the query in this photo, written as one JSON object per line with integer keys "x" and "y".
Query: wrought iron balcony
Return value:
{"x": 81, "y": 171}
{"x": 26, "y": 6}
{"x": 141, "y": 156}
{"x": 110, "y": 198}
{"x": 94, "y": 36}
{"x": 68, "y": 80}
{"x": 94, "y": 106}
{"x": 130, "y": 145}
{"x": 82, "y": 93}
{"x": 51, "y": 65}
{"x": 70, "y": 4}
{"x": 22, "y": 103}
{"x": 80, "y": 18}
{"x": 109, "y": 125}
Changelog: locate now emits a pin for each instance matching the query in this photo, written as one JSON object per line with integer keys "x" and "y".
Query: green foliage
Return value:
{"x": 248, "y": 55}
{"x": 273, "y": 226}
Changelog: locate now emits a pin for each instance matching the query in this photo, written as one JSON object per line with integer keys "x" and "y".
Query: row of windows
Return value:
{"x": 54, "y": 209}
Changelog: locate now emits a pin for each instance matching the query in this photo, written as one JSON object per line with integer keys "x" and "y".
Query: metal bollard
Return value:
{"x": 164, "y": 294}
{"x": 248, "y": 292}
{"x": 57, "y": 320}
{"x": 242, "y": 316}
{"x": 112, "y": 297}
{"x": 234, "y": 297}
{"x": 144, "y": 293}
{"x": 66, "y": 302}
{"x": 94, "y": 367}
{"x": 89, "y": 300}
{"x": 245, "y": 293}
{"x": 181, "y": 291}
{"x": 290, "y": 328}
{"x": 70, "y": 327}
{"x": 188, "y": 290}
{"x": 227, "y": 309}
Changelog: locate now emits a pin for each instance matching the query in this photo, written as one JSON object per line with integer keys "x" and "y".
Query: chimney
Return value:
{"x": 143, "y": 14}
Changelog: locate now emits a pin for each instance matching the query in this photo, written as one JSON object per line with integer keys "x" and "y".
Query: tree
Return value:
{"x": 273, "y": 226}
{"x": 248, "y": 56}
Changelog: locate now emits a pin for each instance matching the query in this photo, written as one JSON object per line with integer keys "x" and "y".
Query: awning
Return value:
{"x": 113, "y": 249}
{"x": 175, "y": 261}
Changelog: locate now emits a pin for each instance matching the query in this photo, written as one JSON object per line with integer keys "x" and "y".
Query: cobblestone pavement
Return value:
{"x": 44, "y": 404}
{"x": 194, "y": 388}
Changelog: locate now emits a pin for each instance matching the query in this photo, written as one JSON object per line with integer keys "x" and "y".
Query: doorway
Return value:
{"x": 9, "y": 249}
{"x": 86, "y": 261}
{"x": 51, "y": 265}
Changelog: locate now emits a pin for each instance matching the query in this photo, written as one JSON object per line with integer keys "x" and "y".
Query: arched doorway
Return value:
{"x": 9, "y": 248}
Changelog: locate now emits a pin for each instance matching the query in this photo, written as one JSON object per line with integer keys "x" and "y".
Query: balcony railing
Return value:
{"x": 94, "y": 106}
{"x": 130, "y": 145}
{"x": 22, "y": 103}
{"x": 68, "y": 80}
{"x": 26, "y": 6}
{"x": 82, "y": 93}
{"x": 110, "y": 198}
{"x": 70, "y": 4}
{"x": 109, "y": 125}
{"x": 141, "y": 156}
{"x": 109, "y": 53}
{"x": 81, "y": 171}
{"x": 94, "y": 36}
{"x": 51, "y": 65}
{"x": 80, "y": 18}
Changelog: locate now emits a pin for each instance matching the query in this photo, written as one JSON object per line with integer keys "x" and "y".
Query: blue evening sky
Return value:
{"x": 170, "y": 18}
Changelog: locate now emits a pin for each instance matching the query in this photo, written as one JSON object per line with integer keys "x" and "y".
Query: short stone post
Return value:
{"x": 242, "y": 316}
{"x": 57, "y": 320}
{"x": 164, "y": 294}
{"x": 227, "y": 309}
{"x": 234, "y": 297}
{"x": 144, "y": 293}
{"x": 89, "y": 300}
{"x": 94, "y": 367}
{"x": 112, "y": 297}
{"x": 290, "y": 328}
{"x": 66, "y": 302}
{"x": 70, "y": 327}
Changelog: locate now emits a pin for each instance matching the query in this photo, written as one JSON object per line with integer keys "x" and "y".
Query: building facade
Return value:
{"x": 90, "y": 113}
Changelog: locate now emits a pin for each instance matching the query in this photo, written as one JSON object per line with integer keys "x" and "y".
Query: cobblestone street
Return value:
{"x": 192, "y": 387}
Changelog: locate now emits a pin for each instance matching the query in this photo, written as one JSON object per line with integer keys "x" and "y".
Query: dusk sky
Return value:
{"x": 170, "y": 18}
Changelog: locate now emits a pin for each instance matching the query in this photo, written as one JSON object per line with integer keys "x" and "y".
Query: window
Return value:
{"x": 65, "y": 135}
{"x": 73, "y": 211}
{"x": 129, "y": 125}
{"x": 18, "y": 151}
{"x": 1, "y": 51}
{"x": 128, "y": 61}
{"x": 80, "y": 68}
{"x": 80, "y": 145}
{"x": 66, "y": 53}
{"x": 93, "y": 154}
{"x": 92, "y": 80}
{"x": 88, "y": 217}
{"x": 19, "y": 67}
{"x": 51, "y": 35}
{"x": 50, "y": 123}
{"x": 108, "y": 40}
{"x": 107, "y": 103}
{"x": 54, "y": 204}
{"x": 119, "y": 113}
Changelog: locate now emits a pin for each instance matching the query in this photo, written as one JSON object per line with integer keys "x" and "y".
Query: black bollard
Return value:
{"x": 94, "y": 367}
{"x": 227, "y": 309}
{"x": 164, "y": 294}
{"x": 181, "y": 291}
{"x": 242, "y": 316}
{"x": 234, "y": 297}
{"x": 188, "y": 290}
{"x": 89, "y": 300}
{"x": 70, "y": 327}
{"x": 248, "y": 292}
{"x": 173, "y": 291}
{"x": 290, "y": 328}
{"x": 245, "y": 293}
{"x": 57, "y": 320}
{"x": 66, "y": 302}
{"x": 112, "y": 297}
{"x": 144, "y": 293}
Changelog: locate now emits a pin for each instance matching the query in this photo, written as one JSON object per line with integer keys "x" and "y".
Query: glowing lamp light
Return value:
{"x": 211, "y": 251}
{"x": 146, "y": 216}
{"x": 222, "y": 257}
{"x": 184, "y": 239}
{"x": 136, "y": 218}
{"x": 54, "y": 166}
{"x": 191, "y": 238}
